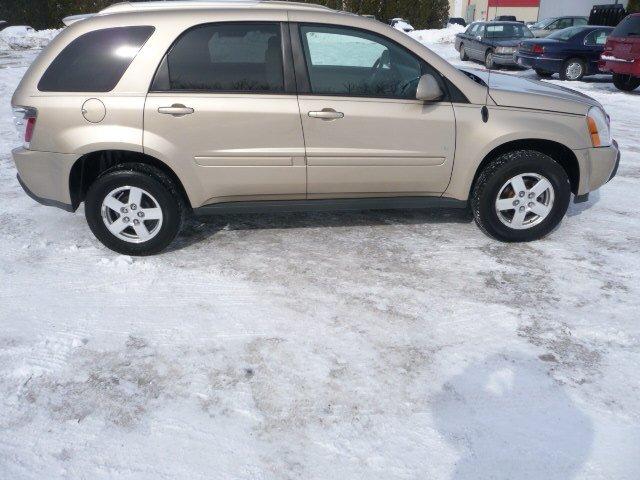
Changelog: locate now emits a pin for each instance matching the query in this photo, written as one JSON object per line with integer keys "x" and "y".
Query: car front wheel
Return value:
{"x": 626, "y": 83}
{"x": 134, "y": 209}
{"x": 520, "y": 196}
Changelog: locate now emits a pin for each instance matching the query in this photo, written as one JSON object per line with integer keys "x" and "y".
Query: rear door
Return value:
{"x": 223, "y": 106}
{"x": 475, "y": 44}
{"x": 365, "y": 132}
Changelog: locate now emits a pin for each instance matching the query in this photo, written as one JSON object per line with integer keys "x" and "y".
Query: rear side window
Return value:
{"x": 225, "y": 57}
{"x": 95, "y": 61}
{"x": 597, "y": 37}
{"x": 630, "y": 26}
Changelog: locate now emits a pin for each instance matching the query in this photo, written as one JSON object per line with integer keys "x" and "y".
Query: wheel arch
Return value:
{"x": 90, "y": 166}
{"x": 559, "y": 152}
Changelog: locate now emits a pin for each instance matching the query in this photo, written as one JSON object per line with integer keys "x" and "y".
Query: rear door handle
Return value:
{"x": 327, "y": 114}
{"x": 177, "y": 110}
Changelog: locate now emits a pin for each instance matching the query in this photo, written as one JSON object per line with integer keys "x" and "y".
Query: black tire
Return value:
{"x": 153, "y": 181}
{"x": 463, "y": 53}
{"x": 626, "y": 83}
{"x": 543, "y": 73}
{"x": 487, "y": 188}
{"x": 488, "y": 60}
{"x": 565, "y": 72}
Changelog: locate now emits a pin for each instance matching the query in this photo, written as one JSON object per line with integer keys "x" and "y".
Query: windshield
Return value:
{"x": 628, "y": 27}
{"x": 508, "y": 30}
{"x": 565, "y": 33}
{"x": 542, "y": 24}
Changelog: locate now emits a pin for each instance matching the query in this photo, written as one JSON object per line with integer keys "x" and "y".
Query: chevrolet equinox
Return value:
{"x": 150, "y": 112}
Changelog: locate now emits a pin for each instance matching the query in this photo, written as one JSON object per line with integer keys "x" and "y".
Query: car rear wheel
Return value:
{"x": 626, "y": 83}
{"x": 488, "y": 60}
{"x": 463, "y": 53}
{"x": 573, "y": 69}
{"x": 135, "y": 209}
{"x": 543, "y": 73}
{"x": 520, "y": 196}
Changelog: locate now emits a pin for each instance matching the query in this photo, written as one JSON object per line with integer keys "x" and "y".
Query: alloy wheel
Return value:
{"x": 525, "y": 201}
{"x": 131, "y": 214}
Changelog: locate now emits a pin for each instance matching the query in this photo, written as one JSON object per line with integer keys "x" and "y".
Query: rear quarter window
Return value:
{"x": 95, "y": 61}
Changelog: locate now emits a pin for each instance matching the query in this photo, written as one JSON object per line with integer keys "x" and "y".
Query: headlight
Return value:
{"x": 599, "y": 130}
{"x": 505, "y": 50}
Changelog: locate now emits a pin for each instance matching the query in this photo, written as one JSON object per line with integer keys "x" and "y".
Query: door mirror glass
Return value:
{"x": 429, "y": 89}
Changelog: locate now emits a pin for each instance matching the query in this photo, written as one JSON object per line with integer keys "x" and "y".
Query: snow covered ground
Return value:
{"x": 376, "y": 345}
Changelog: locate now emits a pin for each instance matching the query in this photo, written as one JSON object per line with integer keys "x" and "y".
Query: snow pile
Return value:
{"x": 403, "y": 26}
{"x": 23, "y": 37}
{"x": 440, "y": 35}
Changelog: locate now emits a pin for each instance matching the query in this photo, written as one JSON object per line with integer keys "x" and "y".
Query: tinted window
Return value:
{"x": 95, "y": 61}
{"x": 344, "y": 61}
{"x": 241, "y": 57}
{"x": 628, "y": 27}
{"x": 579, "y": 21}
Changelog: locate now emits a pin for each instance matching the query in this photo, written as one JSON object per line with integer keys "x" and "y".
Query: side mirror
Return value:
{"x": 428, "y": 89}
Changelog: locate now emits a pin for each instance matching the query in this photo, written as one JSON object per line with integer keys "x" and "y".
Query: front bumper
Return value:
{"x": 44, "y": 176}
{"x": 597, "y": 167}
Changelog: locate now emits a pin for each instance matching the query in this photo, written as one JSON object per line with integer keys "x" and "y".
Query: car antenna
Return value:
{"x": 485, "y": 109}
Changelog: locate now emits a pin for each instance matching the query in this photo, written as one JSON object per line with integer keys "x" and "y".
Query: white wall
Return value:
{"x": 555, "y": 8}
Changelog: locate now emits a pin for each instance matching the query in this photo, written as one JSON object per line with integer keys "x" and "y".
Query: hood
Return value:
{"x": 514, "y": 91}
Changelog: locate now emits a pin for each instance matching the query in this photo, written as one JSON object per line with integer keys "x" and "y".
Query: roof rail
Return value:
{"x": 187, "y": 4}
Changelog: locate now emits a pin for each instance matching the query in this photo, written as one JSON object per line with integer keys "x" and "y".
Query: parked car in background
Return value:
{"x": 493, "y": 43}
{"x": 505, "y": 18}
{"x": 547, "y": 26}
{"x": 401, "y": 24}
{"x": 621, "y": 54}
{"x": 457, "y": 21}
{"x": 573, "y": 52}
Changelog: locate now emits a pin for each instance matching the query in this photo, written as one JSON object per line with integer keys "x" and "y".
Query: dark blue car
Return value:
{"x": 573, "y": 52}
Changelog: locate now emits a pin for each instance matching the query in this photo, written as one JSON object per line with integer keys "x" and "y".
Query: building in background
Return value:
{"x": 524, "y": 10}
{"x": 554, "y": 8}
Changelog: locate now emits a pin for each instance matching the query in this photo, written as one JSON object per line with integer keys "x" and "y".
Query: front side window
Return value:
{"x": 95, "y": 61}
{"x": 227, "y": 57}
{"x": 346, "y": 61}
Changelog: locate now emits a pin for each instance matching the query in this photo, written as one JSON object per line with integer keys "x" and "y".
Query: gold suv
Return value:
{"x": 148, "y": 112}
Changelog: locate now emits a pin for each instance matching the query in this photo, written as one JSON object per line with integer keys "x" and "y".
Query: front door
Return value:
{"x": 365, "y": 132}
{"x": 221, "y": 111}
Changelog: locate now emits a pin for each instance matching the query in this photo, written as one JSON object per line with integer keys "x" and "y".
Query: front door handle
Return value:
{"x": 326, "y": 114}
{"x": 177, "y": 110}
